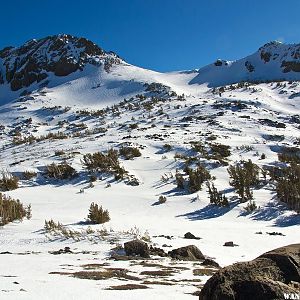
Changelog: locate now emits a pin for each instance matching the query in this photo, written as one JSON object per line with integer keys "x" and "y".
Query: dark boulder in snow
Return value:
{"x": 190, "y": 252}
{"x": 189, "y": 235}
{"x": 267, "y": 277}
{"x": 137, "y": 248}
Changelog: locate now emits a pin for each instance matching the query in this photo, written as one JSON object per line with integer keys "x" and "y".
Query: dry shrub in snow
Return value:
{"x": 8, "y": 182}
{"x": 61, "y": 171}
{"x": 11, "y": 209}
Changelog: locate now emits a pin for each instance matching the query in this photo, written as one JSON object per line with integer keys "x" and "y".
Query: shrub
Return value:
{"x": 162, "y": 199}
{"x": 251, "y": 206}
{"x": 167, "y": 147}
{"x": 290, "y": 155}
{"x": 244, "y": 175}
{"x": 101, "y": 162}
{"x": 97, "y": 215}
{"x": 133, "y": 126}
{"x": 215, "y": 196}
{"x": 59, "y": 152}
{"x": 129, "y": 152}
{"x": 220, "y": 151}
{"x": 180, "y": 180}
{"x": 52, "y": 226}
{"x": 93, "y": 178}
{"x": 27, "y": 175}
{"x": 288, "y": 186}
{"x": 8, "y": 182}
{"x": 197, "y": 177}
{"x": 11, "y": 209}
{"x": 61, "y": 171}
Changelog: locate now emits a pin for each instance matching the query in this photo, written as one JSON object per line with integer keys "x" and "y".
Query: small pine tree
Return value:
{"x": 215, "y": 196}
{"x": 244, "y": 175}
{"x": 98, "y": 215}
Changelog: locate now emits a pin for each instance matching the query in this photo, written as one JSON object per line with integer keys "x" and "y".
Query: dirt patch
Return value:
{"x": 128, "y": 287}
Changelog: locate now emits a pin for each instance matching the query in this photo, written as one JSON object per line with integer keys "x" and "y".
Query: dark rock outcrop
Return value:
{"x": 190, "y": 252}
{"x": 60, "y": 54}
{"x": 267, "y": 277}
{"x": 137, "y": 248}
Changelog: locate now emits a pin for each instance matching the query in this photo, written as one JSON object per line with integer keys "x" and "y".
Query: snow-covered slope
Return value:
{"x": 273, "y": 61}
{"x": 95, "y": 108}
{"x": 79, "y": 72}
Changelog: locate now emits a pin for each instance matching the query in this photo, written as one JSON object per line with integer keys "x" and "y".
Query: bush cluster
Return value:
{"x": 244, "y": 175}
{"x": 130, "y": 152}
{"x": 197, "y": 177}
{"x": 60, "y": 171}
{"x": 215, "y": 196}
{"x": 106, "y": 163}
{"x": 27, "y": 175}
{"x": 288, "y": 186}
{"x": 8, "y": 182}
{"x": 11, "y": 209}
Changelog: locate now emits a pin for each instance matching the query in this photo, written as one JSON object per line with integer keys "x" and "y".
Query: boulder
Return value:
{"x": 137, "y": 248}
{"x": 211, "y": 263}
{"x": 267, "y": 277}
{"x": 229, "y": 244}
{"x": 190, "y": 252}
{"x": 189, "y": 235}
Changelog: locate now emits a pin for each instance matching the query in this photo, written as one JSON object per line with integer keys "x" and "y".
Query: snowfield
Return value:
{"x": 31, "y": 268}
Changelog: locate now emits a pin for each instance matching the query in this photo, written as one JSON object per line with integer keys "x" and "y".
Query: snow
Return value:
{"x": 133, "y": 209}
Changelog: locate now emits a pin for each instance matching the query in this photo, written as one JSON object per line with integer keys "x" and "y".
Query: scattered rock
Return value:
{"x": 157, "y": 251}
{"x": 275, "y": 233}
{"x": 169, "y": 237}
{"x": 229, "y": 244}
{"x": 61, "y": 251}
{"x": 190, "y": 252}
{"x": 267, "y": 277}
{"x": 189, "y": 235}
{"x": 137, "y": 247}
{"x": 210, "y": 262}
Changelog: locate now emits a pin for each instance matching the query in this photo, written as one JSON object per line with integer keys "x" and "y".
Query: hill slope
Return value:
{"x": 93, "y": 109}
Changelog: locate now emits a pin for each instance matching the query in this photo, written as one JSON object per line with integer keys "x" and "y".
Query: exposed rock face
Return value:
{"x": 190, "y": 252}
{"x": 137, "y": 247}
{"x": 267, "y": 277}
{"x": 60, "y": 54}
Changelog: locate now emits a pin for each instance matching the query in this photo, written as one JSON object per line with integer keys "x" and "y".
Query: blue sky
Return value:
{"x": 162, "y": 35}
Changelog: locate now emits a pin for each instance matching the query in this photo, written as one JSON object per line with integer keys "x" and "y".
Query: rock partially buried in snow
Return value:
{"x": 229, "y": 244}
{"x": 137, "y": 248}
{"x": 267, "y": 277}
{"x": 189, "y": 235}
{"x": 190, "y": 252}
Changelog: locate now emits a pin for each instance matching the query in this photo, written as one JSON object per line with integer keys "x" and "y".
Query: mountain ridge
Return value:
{"x": 56, "y": 60}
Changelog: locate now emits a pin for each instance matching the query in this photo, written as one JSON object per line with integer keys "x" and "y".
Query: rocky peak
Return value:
{"x": 60, "y": 54}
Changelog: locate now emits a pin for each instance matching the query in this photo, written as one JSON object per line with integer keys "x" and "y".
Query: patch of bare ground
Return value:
{"x": 158, "y": 282}
{"x": 158, "y": 273}
{"x": 95, "y": 266}
{"x": 129, "y": 286}
{"x": 105, "y": 274}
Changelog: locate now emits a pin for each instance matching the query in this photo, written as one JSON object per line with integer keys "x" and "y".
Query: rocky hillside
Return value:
{"x": 272, "y": 62}
{"x": 60, "y": 54}
{"x": 44, "y": 62}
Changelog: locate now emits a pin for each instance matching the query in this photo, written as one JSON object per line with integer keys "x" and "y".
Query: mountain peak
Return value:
{"x": 60, "y": 54}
